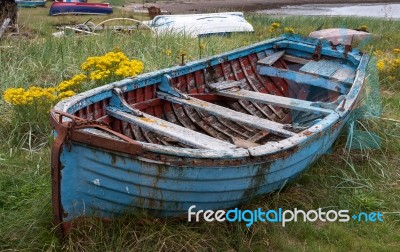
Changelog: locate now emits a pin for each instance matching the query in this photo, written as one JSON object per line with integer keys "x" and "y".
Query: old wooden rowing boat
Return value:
{"x": 78, "y": 8}
{"x": 200, "y": 24}
{"x": 212, "y": 133}
{"x": 30, "y": 3}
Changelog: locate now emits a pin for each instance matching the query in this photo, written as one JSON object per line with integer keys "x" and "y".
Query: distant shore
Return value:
{"x": 245, "y": 5}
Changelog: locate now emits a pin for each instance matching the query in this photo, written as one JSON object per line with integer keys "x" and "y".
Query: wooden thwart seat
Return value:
{"x": 281, "y": 101}
{"x": 165, "y": 128}
{"x": 330, "y": 69}
{"x": 252, "y": 121}
{"x": 303, "y": 78}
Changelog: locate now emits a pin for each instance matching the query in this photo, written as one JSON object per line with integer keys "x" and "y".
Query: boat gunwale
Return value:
{"x": 81, "y": 100}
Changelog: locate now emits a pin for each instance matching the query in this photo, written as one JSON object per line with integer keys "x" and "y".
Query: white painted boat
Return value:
{"x": 340, "y": 35}
{"x": 201, "y": 24}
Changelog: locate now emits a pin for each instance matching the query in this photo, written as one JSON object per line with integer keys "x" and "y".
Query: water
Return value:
{"x": 360, "y": 10}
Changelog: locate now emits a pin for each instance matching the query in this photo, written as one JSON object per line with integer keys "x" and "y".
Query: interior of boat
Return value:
{"x": 244, "y": 102}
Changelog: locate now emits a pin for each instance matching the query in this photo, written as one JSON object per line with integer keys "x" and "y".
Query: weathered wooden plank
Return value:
{"x": 281, "y": 101}
{"x": 217, "y": 86}
{"x": 165, "y": 128}
{"x": 270, "y": 60}
{"x": 345, "y": 74}
{"x": 323, "y": 67}
{"x": 328, "y": 67}
{"x": 232, "y": 115}
{"x": 303, "y": 78}
{"x": 311, "y": 67}
{"x": 295, "y": 59}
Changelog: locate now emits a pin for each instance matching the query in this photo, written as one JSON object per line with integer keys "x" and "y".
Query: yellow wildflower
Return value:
{"x": 378, "y": 53}
{"x": 16, "y": 96}
{"x": 275, "y": 25}
{"x": 65, "y": 94}
{"x": 391, "y": 78}
{"x": 396, "y": 63}
{"x": 168, "y": 52}
{"x": 288, "y": 30}
{"x": 363, "y": 28}
{"x": 72, "y": 83}
{"x": 396, "y": 51}
{"x": 34, "y": 94}
{"x": 380, "y": 65}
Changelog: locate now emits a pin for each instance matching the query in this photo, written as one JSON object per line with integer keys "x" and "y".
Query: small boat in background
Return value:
{"x": 201, "y": 24}
{"x": 72, "y": 1}
{"x": 212, "y": 133}
{"x": 80, "y": 8}
{"x": 30, "y": 3}
{"x": 341, "y": 35}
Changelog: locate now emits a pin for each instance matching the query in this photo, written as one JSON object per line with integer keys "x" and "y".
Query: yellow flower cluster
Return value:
{"x": 37, "y": 95}
{"x": 288, "y": 30}
{"x": 387, "y": 62}
{"x": 276, "y": 28}
{"x": 168, "y": 52}
{"x": 72, "y": 83}
{"x": 182, "y": 52}
{"x": 65, "y": 94}
{"x": 275, "y": 25}
{"x": 388, "y": 65}
{"x": 111, "y": 64}
{"x": 43, "y": 96}
{"x": 363, "y": 28}
{"x": 380, "y": 65}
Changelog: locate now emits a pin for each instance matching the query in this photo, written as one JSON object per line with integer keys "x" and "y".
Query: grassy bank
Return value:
{"x": 367, "y": 180}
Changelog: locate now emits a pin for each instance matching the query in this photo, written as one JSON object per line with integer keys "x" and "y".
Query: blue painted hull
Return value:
{"x": 109, "y": 183}
{"x": 66, "y": 8}
{"x": 164, "y": 170}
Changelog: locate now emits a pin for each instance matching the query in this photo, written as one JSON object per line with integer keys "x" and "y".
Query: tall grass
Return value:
{"x": 365, "y": 180}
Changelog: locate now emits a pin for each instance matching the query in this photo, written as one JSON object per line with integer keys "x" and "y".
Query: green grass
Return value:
{"x": 367, "y": 180}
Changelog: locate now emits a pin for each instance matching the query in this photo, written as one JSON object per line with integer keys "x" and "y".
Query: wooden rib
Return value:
{"x": 146, "y": 136}
{"x": 213, "y": 122}
{"x": 232, "y": 115}
{"x": 242, "y": 103}
{"x": 196, "y": 119}
{"x": 170, "y": 115}
{"x": 182, "y": 118}
{"x": 249, "y": 105}
{"x": 232, "y": 126}
{"x": 165, "y": 128}
{"x": 273, "y": 82}
{"x": 288, "y": 88}
{"x": 137, "y": 133}
{"x": 256, "y": 89}
{"x": 234, "y": 105}
{"x": 210, "y": 121}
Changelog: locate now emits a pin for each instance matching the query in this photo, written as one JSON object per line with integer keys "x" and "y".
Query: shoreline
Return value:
{"x": 177, "y": 7}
